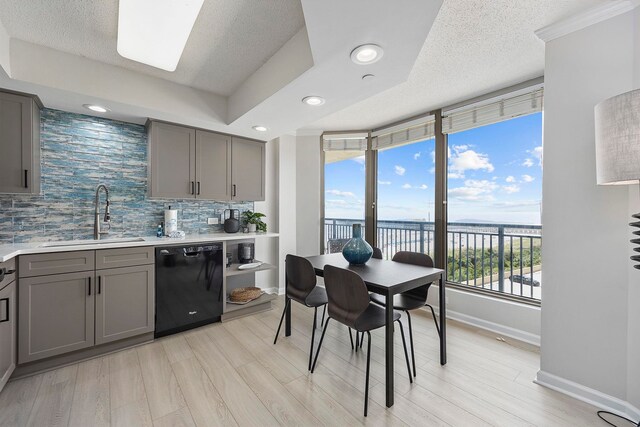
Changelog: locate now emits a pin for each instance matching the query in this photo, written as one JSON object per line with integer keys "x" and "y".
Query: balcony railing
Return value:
{"x": 503, "y": 258}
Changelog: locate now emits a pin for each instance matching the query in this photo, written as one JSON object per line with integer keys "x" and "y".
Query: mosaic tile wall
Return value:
{"x": 78, "y": 153}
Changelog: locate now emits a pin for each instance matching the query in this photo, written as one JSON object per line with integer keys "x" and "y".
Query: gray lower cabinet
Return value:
{"x": 19, "y": 144}
{"x": 247, "y": 170}
{"x": 125, "y": 302}
{"x": 8, "y": 332}
{"x": 56, "y": 314}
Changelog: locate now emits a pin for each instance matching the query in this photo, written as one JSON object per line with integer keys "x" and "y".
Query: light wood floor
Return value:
{"x": 232, "y": 374}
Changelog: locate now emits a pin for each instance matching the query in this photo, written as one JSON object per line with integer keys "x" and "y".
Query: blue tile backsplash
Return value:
{"x": 78, "y": 153}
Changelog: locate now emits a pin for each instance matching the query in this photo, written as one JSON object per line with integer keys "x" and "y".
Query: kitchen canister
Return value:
{"x": 170, "y": 221}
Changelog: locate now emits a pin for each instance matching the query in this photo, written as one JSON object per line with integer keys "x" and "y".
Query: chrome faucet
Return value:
{"x": 107, "y": 215}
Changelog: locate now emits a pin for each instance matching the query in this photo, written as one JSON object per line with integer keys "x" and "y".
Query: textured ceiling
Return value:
{"x": 230, "y": 40}
{"x": 474, "y": 47}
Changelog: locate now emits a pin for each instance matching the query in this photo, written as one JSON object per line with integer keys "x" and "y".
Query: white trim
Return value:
{"x": 309, "y": 132}
{"x": 588, "y": 395}
{"x": 491, "y": 326}
{"x": 585, "y": 19}
{"x": 404, "y": 125}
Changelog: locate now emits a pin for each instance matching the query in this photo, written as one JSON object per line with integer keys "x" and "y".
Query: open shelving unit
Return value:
{"x": 237, "y": 278}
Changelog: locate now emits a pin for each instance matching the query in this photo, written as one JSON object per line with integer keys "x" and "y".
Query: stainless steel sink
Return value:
{"x": 89, "y": 242}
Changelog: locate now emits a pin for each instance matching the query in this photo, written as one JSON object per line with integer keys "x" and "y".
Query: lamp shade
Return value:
{"x": 617, "y": 123}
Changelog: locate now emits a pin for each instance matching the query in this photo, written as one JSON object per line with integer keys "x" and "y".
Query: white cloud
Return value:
{"x": 384, "y": 182}
{"x": 416, "y": 156}
{"x": 433, "y": 156}
{"x": 359, "y": 159}
{"x": 462, "y": 161}
{"x": 537, "y": 153}
{"x": 455, "y": 175}
{"x": 432, "y": 170}
{"x": 399, "y": 170}
{"x": 527, "y": 178}
{"x": 423, "y": 187}
{"x": 405, "y": 186}
{"x": 341, "y": 193}
{"x": 475, "y": 190}
{"x": 510, "y": 189}
{"x": 527, "y": 163}
{"x": 416, "y": 187}
{"x": 510, "y": 179}
{"x": 460, "y": 148}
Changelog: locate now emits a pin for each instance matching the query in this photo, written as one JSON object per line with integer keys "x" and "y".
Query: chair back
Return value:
{"x": 347, "y": 294}
{"x": 415, "y": 258}
{"x": 377, "y": 253}
{"x": 300, "y": 277}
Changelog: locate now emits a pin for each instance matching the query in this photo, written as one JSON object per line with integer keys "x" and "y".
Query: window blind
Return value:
{"x": 494, "y": 111}
{"x": 345, "y": 142}
{"x": 404, "y": 133}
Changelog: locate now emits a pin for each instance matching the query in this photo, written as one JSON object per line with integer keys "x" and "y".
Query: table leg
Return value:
{"x": 388, "y": 336}
{"x": 443, "y": 321}
{"x": 287, "y": 316}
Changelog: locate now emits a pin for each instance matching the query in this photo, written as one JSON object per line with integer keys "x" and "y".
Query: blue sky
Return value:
{"x": 495, "y": 174}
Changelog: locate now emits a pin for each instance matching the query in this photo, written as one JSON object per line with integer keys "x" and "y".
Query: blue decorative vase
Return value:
{"x": 357, "y": 250}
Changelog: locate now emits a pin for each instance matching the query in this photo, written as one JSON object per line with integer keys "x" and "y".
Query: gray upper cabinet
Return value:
{"x": 247, "y": 170}
{"x": 19, "y": 144}
{"x": 213, "y": 166}
{"x": 172, "y": 161}
{"x": 124, "y": 302}
{"x": 187, "y": 163}
{"x": 56, "y": 314}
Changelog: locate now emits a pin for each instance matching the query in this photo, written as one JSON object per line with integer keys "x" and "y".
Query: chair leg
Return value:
{"x": 357, "y": 338}
{"x": 413, "y": 354}
{"x": 406, "y": 355}
{"x": 351, "y": 338}
{"x": 366, "y": 385}
{"x": 435, "y": 320}
{"x": 361, "y": 339}
{"x": 281, "y": 319}
{"x": 313, "y": 367}
{"x": 313, "y": 334}
{"x": 323, "y": 313}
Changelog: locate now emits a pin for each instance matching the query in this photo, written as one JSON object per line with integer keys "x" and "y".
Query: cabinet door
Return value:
{"x": 172, "y": 161}
{"x": 125, "y": 302}
{"x": 16, "y": 145}
{"x": 56, "y": 315}
{"x": 213, "y": 166}
{"x": 247, "y": 169}
{"x": 8, "y": 337}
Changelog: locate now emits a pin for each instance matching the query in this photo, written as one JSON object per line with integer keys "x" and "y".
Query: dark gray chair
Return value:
{"x": 377, "y": 253}
{"x": 413, "y": 299}
{"x": 349, "y": 304}
{"x": 301, "y": 287}
{"x": 336, "y": 245}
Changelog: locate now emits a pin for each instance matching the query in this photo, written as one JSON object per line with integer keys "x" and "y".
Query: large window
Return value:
{"x": 344, "y": 187}
{"x": 494, "y": 206}
{"x": 487, "y": 182}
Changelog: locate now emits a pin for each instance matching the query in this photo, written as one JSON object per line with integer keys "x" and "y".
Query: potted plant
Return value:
{"x": 254, "y": 221}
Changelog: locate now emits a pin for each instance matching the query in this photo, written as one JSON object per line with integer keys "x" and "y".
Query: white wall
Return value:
{"x": 585, "y": 307}
{"x": 308, "y": 194}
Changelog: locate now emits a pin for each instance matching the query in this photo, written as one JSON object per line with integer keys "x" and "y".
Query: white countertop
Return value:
{"x": 8, "y": 252}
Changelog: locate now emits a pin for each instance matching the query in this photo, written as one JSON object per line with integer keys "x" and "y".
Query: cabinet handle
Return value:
{"x": 192, "y": 187}
{"x": 198, "y": 188}
{"x": 234, "y": 190}
{"x": 99, "y": 285}
{"x": 89, "y": 285}
{"x": 6, "y": 301}
{"x": 26, "y": 174}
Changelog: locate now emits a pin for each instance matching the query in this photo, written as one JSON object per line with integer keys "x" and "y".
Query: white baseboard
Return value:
{"x": 493, "y": 327}
{"x": 588, "y": 395}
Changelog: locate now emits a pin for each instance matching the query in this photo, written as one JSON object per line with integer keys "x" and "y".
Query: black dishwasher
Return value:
{"x": 188, "y": 287}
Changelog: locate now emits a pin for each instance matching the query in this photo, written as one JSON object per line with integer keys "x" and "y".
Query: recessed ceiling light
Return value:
{"x": 366, "y": 54}
{"x": 155, "y": 32}
{"x": 313, "y": 100}
{"x": 260, "y": 128}
{"x": 96, "y": 108}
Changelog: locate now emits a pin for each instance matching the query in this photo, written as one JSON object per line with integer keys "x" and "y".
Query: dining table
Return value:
{"x": 387, "y": 278}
